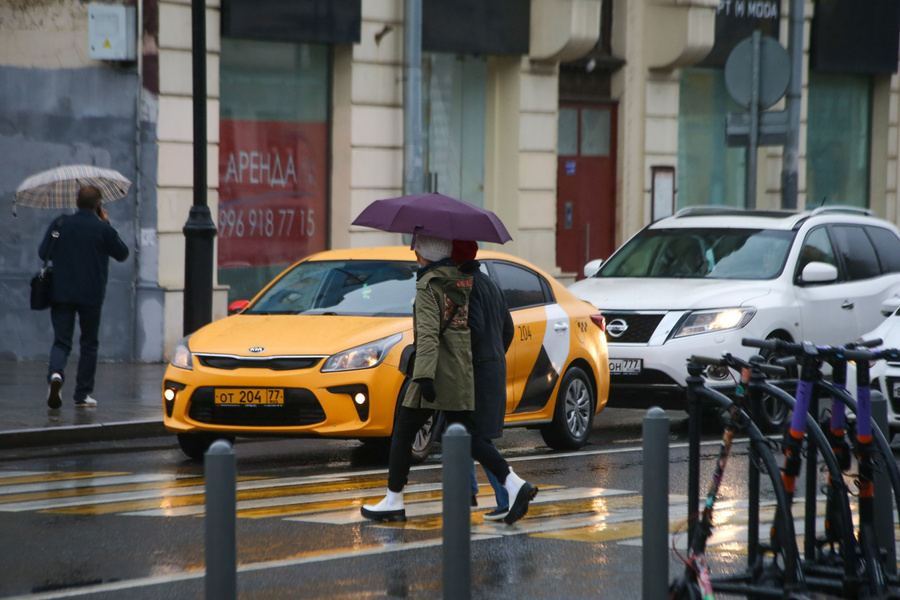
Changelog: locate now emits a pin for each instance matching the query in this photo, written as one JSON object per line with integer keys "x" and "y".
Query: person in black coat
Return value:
{"x": 80, "y": 255}
{"x": 492, "y": 330}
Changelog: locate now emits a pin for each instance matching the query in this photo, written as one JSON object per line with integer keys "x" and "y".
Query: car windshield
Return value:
{"x": 705, "y": 253}
{"x": 369, "y": 288}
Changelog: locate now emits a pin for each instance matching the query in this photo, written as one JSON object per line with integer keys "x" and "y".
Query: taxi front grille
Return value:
{"x": 276, "y": 363}
{"x": 301, "y": 407}
{"x": 639, "y": 327}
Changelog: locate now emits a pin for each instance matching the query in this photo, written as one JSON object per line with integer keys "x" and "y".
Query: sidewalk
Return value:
{"x": 128, "y": 395}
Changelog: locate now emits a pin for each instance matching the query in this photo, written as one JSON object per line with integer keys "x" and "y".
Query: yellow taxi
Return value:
{"x": 321, "y": 351}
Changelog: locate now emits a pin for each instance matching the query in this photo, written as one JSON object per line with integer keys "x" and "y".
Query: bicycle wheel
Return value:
{"x": 685, "y": 588}
{"x": 873, "y": 585}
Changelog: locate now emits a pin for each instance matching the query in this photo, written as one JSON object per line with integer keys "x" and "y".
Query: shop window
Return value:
{"x": 837, "y": 140}
{"x": 455, "y": 112}
{"x": 708, "y": 171}
{"x": 273, "y": 152}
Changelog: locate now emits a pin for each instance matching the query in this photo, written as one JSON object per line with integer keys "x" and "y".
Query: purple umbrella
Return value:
{"x": 435, "y": 215}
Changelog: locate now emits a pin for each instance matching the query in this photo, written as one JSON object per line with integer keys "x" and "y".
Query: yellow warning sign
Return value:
{"x": 107, "y": 45}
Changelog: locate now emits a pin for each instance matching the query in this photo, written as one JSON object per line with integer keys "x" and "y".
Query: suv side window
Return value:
{"x": 816, "y": 248}
{"x": 856, "y": 252}
{"x": 521, "y": 287}
{"x": 887, "y": 246}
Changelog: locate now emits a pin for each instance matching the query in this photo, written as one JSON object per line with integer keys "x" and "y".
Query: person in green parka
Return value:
{"x": 442, "y": 379}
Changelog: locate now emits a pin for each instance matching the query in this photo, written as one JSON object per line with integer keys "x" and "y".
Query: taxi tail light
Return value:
{"x": 599, "y": 321}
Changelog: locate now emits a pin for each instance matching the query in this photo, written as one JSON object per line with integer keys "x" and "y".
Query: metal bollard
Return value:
{"x": 457, "y": 457}
{"x": 884, "y": 498}
{"x": 655, "y": 489}
{"x": 221, "y": 500}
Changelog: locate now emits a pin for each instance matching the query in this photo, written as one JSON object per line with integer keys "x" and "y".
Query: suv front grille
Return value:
{"x": 301, "y": 407}
{"x": 640, "y": 326}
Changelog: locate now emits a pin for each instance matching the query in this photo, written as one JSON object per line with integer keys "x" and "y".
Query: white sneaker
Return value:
{"x": 389, "y": 509}
{"x": 88, "y": 402}
{"x": 520, "y": 494}
{"x": 54, "y": 400}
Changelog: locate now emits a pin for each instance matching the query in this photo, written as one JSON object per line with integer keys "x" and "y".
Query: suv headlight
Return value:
{"x": 715, "y": 320}
{"x": 182, "y": 357}
{"x": 362, "y": 357}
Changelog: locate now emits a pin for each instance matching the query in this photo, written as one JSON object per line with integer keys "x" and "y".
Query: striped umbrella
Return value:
{"x": 58, "y": 188}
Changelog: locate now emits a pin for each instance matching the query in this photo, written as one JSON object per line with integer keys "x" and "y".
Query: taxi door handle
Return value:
{"x": 560, "y": 326}
{"x": 847, "y": 305}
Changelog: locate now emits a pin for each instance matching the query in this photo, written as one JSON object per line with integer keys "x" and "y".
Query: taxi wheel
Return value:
{"x": 195, "y": 445}
{"x": 573, "y": 416}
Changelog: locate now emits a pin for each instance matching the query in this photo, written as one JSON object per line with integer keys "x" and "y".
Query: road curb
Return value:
{"x": 74, "y": 434}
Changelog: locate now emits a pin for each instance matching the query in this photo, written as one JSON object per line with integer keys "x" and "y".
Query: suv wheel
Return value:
{"x": 573, "y": 416}
{"x": 774, "y": 414}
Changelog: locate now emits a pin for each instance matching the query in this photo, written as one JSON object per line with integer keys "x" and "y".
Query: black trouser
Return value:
{"x": 409, "y": 422}
{"x": 62, "y": 315}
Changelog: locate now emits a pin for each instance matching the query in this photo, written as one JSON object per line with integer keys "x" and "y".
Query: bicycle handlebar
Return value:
{"x": 854, "y": 351}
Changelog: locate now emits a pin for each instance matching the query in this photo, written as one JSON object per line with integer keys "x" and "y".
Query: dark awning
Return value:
{"x": 310, "y": 21}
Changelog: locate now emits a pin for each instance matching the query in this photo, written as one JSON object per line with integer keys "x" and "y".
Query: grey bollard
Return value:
{"x": 655, "y": 490}
{"x": 221, "y": 503}
{"x": 884, "y": 499}
{"x": 457, "y": 457}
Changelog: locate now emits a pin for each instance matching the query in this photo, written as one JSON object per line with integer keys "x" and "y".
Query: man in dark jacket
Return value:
{"x": 80, "y": 256}
{"x": 492, "y": 331}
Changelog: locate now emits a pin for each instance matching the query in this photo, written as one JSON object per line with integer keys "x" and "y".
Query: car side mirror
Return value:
{"x": 592, "y": 267}
{"x": 237, "y": 306}
{"x": 818, "y": 272}
{"x": 890, "y": 306}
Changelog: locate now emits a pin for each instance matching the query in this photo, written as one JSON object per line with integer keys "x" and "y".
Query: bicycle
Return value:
{"x": 869, "y": 579}
{"x": 695, "y": 582}
{"x": 873, "y": 454}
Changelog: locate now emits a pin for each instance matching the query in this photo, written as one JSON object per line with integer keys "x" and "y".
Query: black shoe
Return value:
{"x": 497, "y": 514}
{"x": 54, "y": 400}
{"x": 383, "y": 515}
{"x": 474, "y": 500}
{"x": 519, "y": 507}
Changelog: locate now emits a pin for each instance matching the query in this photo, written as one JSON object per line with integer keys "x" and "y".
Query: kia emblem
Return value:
{"x": 257, "y": 349}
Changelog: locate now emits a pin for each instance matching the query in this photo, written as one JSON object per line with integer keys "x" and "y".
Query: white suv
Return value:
{"x": 700, "y": 281}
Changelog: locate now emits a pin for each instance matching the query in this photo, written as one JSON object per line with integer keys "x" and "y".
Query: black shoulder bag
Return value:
{"x": 42, "y": 283}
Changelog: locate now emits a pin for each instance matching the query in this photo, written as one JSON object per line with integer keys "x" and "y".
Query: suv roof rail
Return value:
{"x": 842, "y": 209}
{"x": 695, "y": 211}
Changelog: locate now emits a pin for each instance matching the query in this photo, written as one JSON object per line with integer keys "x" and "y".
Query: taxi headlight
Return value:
{"x": 362, "y": 357}
{"x": 181, "y": 356}
{"x": 708, "y": 321}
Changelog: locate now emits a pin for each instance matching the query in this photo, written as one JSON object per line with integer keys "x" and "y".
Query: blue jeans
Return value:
{"x": 500, "y": 493}
{"x": 62, "y": 316}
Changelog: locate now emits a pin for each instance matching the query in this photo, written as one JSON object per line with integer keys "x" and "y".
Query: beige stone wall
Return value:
{"x": 367, "y": 142}
{"x": 175, "y": 174}
{"x": 367, "y": 136}
{"x": 650, "y": 34}
{"x": 46, "y": 35}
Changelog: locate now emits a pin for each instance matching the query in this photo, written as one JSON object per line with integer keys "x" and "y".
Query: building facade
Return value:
{"x": 576, "y": 121}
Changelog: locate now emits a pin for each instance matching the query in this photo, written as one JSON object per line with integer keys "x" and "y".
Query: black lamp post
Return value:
{"x": 199, "y": 231}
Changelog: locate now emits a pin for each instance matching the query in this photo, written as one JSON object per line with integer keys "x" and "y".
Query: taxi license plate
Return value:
{"x": 268, "y": 396}
{"x": 625, "y": 366}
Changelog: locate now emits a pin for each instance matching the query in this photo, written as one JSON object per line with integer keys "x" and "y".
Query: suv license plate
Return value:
{"x": 269, "y": 396}
{"x": 625, "y": 366}
{"x": 896, "y": 390}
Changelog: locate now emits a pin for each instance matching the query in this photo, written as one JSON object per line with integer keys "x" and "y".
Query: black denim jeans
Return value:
{"x": 408, "y": 423}
{"x": 62, "y": 315}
